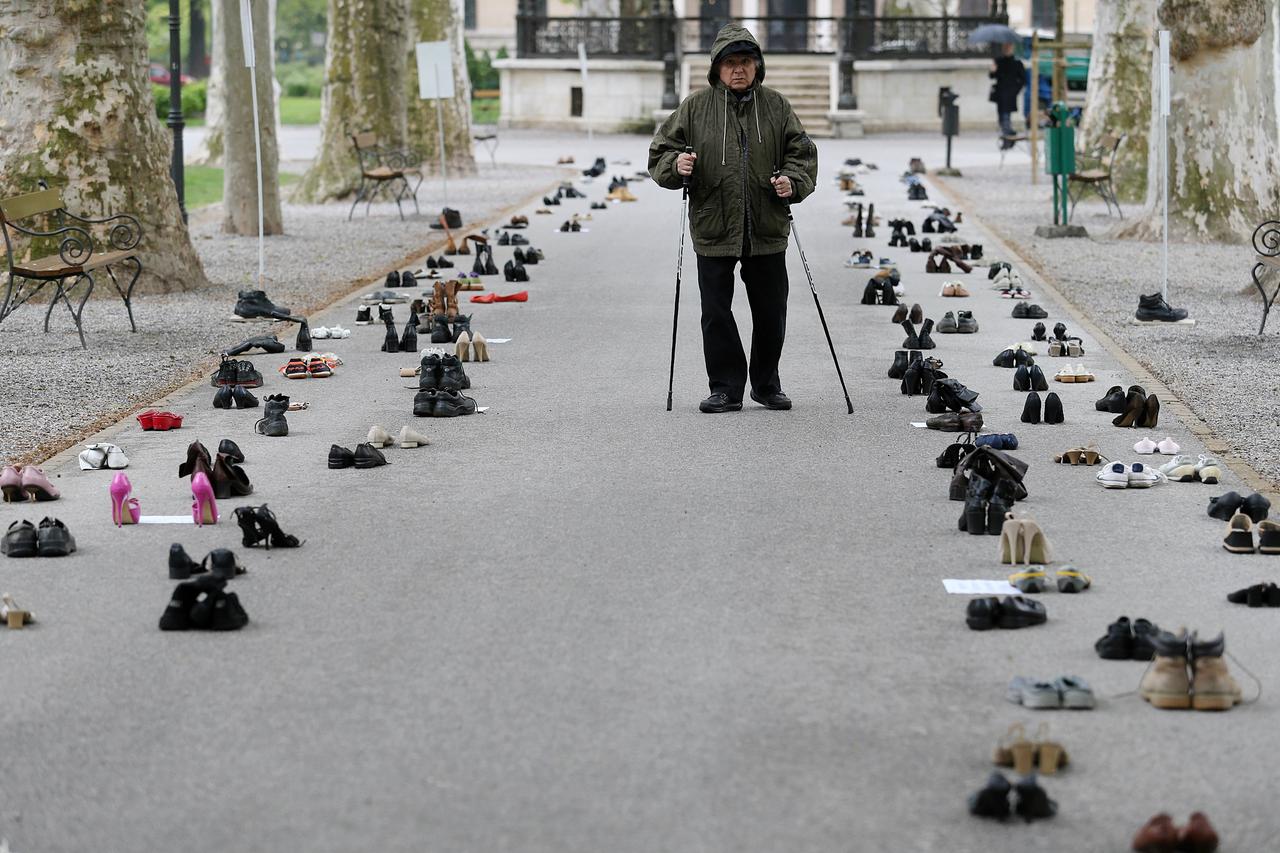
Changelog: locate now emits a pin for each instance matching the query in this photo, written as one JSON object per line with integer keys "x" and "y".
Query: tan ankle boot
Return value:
{"x": 1166, "y": 684}
{"x": 1212, "y": 687}
{"x": 451, "y": 299}
{"x": 437, "y": 298}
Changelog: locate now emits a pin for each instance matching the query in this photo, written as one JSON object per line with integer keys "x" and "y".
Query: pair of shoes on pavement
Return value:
{"x": 1031, "y": 802}
{"x": 1120, "y": 475}
{"x": 1067, "y": 691}
{"x": 722, "y": 402}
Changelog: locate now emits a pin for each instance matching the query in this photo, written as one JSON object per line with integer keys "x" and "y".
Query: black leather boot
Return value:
{"x": 868, "y": 229}
{"x": 974, "y": 516}
{"x": 440, "y": 333}
{"x": 912, "y": 341}
{"x": 899, "y": 365}
{"x": 1001, "y": 501}
{"x": 392, "y": 341}
{"x": 409, "y": 340}
{"x": 926, "y": 342}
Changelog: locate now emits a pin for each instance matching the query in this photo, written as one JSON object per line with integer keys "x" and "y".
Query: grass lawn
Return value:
{"x": 299, "y": 110}
{"x": 204, "y": 185}
{"x": 484, "y": 111}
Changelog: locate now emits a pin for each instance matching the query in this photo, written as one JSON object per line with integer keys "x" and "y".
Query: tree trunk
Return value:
{"x": 441, "y": 20}
{"x": 1119, "y": 100}
{"x": 1223, "y": 147}
{"x": 197, "y": 58}
{"x": 239, "y": 177}
{"x": 364, "y": 90}
{"x": 76, "y": 108}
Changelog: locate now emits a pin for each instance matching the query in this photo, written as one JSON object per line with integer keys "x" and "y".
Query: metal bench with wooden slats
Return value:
{"x": 1098, "y": 178}
{"x": 78, "y": 257}
{"x": 1266, "y": 243}
{"x": 381, "y": 166}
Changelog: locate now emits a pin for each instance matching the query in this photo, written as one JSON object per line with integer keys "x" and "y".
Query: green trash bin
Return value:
{"x": 1060, "y": 157}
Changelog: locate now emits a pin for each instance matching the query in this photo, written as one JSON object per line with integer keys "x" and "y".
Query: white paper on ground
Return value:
{"x": 978, "y": 587}
{"x": 579, "y": 231}
{"x": 482, "y": 409}
{"x": 166, "y": 519}
{"x": 919, "y": 424}
{"x": 499, "y": 340}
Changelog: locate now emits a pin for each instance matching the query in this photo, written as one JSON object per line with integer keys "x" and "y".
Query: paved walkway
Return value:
{"x": 578, "y": 622}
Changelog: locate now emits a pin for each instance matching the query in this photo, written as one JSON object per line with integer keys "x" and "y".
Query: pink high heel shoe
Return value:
{"x": 203, "y": 507}
{"x": 37, "y": 485}
{"x": 124, "y": 509}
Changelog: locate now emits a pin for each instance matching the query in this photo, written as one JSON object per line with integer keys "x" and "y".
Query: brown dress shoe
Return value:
{"x": 1159, "y": 835}
{"x": 1198, "y": 836}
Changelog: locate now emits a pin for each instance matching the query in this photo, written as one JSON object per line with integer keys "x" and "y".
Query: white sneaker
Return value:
{"x": 1181, "y": 469}
{"x": 1146, "y": 447}
{"x": 1142, "y": 477}
{"x": 319, "y": 333}
{"x": 1208, "y": 469}
{"x": 1168, "y": 446}
{"x": 1114, "y": 476}
{"x": 338, "y": 332}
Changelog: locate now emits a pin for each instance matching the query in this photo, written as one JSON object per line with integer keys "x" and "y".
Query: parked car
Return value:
{"x": 160, "y": 75}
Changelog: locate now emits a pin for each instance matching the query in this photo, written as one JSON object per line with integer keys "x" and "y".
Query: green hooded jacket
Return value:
{"x": 739, "y": 142}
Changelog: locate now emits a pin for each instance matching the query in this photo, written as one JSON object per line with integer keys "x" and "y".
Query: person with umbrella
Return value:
{"x": 1008, "y": 73}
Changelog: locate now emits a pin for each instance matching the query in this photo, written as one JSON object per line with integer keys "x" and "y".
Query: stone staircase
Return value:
{"x": 806, "y": 82}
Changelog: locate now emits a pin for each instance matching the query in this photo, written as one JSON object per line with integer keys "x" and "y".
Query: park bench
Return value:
{"x": 385, "y": 167}
{"x": 1097, "y": 178}
{"x": 1266, "y": 243}
{"x": 78, "y": 255}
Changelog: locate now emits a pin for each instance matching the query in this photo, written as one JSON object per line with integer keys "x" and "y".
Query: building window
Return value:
{"x": 1044, "y": 15}
{"x": 469, "y": 14}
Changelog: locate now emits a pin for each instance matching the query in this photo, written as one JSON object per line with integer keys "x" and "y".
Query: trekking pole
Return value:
{"x": 814, "y": 290}
{"x": 675, "y": 318}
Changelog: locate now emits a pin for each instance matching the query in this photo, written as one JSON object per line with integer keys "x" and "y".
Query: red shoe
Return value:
{"x": 485, "y": 298}
{"x": 522, "y": 296}
{"x": 161, "y": 421}
{"x": 146, "y": 419}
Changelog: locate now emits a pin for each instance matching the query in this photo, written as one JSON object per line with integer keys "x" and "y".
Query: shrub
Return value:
{"x": 299, "y": 80}
{"x": 195, "y": 99}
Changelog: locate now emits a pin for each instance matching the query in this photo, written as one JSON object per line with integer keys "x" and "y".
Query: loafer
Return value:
{"x": 368, "y": 456}
{"x": 719, "y": 402}
{"x": 341, "y": 457}
{"x": 1224, "y": 506}
{"x": 1258, "y": 595}
{"x": 1255, "y": 506}
{"x": 1019, "y": 612}
{"x": 776, "y": 400}
{"x": 1117, "y": 643}
{"x": 21, "y": 540}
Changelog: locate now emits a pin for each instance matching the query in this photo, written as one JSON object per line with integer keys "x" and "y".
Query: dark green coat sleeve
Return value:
{"x": 800, "y": 163}
{"x": 667, "y": 144}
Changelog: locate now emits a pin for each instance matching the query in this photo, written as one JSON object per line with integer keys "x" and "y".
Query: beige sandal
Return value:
{"x": 1014, "y": 750}
{"x": 13, "y": 615}
{"x": 1051, "y": 756}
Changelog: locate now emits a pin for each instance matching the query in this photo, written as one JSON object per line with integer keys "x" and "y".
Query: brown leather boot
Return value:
{"x": 1212, "y": 687}
{"x": 1198, "y": 836}
{"x": 451, "y": 299}
{"x": 1159, "y": 835}
{"x": 1165, "y": 684}
{"x": 437, "y": 298}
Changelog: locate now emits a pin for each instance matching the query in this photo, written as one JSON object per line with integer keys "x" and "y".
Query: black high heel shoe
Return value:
{"x": 278, "y": 538}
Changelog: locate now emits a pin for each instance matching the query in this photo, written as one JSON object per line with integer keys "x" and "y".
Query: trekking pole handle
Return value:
{"x": 685, "y": 180}
{"x": 777, "y": 173}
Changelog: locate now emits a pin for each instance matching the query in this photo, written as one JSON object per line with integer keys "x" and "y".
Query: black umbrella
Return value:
{"x": 994, "y": 33}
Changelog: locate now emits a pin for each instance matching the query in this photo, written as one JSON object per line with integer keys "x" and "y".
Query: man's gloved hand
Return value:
{"x": 684, "y": 164}
{"x": 782, "y": 186}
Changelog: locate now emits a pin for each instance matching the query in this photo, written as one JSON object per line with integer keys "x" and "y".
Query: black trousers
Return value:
{"x": 765, "y": 277}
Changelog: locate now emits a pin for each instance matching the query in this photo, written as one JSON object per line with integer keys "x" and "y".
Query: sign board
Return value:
{"x": 1164, "y": 72}
{"x": 435, "y": 70}
{"x": 246, "y": 32}
{"x": 582, "y": 62}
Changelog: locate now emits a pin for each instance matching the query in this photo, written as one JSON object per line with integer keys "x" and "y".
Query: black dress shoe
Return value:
{"x": 53, "y": 539}
{"x": 341, "y": 457}
{"x": 1052, "y": 407}
{"x": 1255, "y": 506}
{"x": 222, "y": 563}
{"x": 424, "y": 402}
{"x": 1019, "y": 311}
{"x": 981, "y": 613}
{"x": 1035, "y": 312}
{"x": 1112, "y": 401}
{"x": 719, "y": 402}
{"x": 231, "y": 450}
{"x": 243, "y": 398}
{"x": 1037, "y": 333}
{"x": 1022, "y": 379}
{"x": 1031, "y": 410}
{"x": 266, "y": 343}
{"x": 222, "y": 397}
{"x": 368, "y": 456}
{"x": 1036, "y": 376}
{"x": 776, "y": 401}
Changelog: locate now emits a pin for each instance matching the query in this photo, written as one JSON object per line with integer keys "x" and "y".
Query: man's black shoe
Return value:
{"x": 242, "y": 397}
{"x": 266, "y": 343}
{"x": 452, "y": 403}
{"x": 424, "y": 402}
{"x": 429, "y": 372}
{"x": 368, "y": 456}
{"x": 1035, "y": 312}
{"x": 720, "y": 402}
{"x": 452, "y": 376}
{"x": 248, "y": 375}
{"x": 440, "y": 333}
{"x": 341, "y": 457}
{"x": 254, "y": 303}
{"x": 776, "y": 401}
{"x": 1153, "y": 309}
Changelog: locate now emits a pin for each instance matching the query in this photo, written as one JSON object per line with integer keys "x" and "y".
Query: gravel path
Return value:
{"x": 57, "y": 392}
{"x": 1220, "y": 367}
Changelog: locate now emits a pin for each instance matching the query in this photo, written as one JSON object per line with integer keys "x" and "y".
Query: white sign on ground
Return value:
{"x": 978, "y": 587}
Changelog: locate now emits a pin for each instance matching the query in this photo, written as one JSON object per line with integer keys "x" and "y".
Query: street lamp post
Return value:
{"x": 175, "y": 103}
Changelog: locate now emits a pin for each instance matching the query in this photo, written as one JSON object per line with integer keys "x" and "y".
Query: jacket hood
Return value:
{"x": 728, "y": 34}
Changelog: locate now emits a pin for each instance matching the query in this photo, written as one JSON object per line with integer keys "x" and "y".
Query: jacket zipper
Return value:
{"x": 744, "y": 142}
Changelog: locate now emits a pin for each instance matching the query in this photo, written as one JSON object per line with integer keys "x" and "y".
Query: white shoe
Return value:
{"x": 1114, "y": 476}
{"x": 1082, "y": 375}
{"x": 411, "y": 438}
{"x": 379, "y": 437}
{"x": 1180, "y": 468}
{"x": 338, "y": 332}
{"x": 1142, "y": 477}
{"x": 98, "y": 456}
{"x": 1168, "y": 446}
{"x": 1146, "y": 447}
{"x": 1208, "y": 469}
{"x": 319, "y": 333}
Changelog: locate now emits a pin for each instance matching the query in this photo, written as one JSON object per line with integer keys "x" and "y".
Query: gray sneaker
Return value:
{"x": 1076, "y": 693}
{"x": 1030, "y": 693}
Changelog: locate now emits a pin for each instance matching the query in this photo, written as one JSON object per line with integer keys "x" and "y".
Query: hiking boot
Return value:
{"x": 424, "y": 402}
{"x": 461, "y": 326}
{"x": 452, "y": 376}
{"x": 254, "y": 303}
{"x": 453, "y": 403}
{"x": 1212, "y": 687}
{"x": 912, "y": 340}
{"x": 429, "y": 372}
{"x": 1153, "y": 309}
{"x": 437, "y": 299}
{"x": 440, "y": 333}
{"x": 1166, "y": 684}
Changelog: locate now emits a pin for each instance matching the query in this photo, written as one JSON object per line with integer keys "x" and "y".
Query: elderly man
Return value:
{"x": 740, "y": 133}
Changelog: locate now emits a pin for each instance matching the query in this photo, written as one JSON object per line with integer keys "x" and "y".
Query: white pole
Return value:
{"x": 582, "y": 69}
{"x": 246, "y": 34}
{"x": 1164, "y": 156}
{"x": 444, "y": 178}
